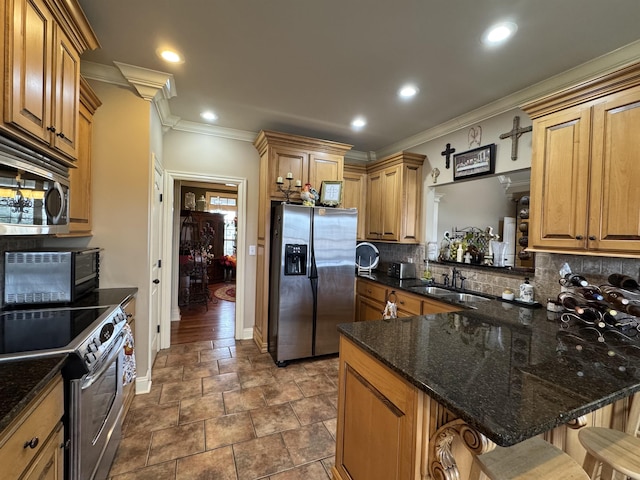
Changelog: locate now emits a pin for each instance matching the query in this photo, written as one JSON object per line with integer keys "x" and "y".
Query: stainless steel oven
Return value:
{"x": 95, "y": 408}
{"x": 93, "y": 338}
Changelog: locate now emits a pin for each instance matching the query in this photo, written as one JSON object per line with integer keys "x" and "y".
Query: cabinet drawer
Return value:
{"x": 406, "y": 302}
{"x": 38, "y": 422}
{"x": 372, "y": 290}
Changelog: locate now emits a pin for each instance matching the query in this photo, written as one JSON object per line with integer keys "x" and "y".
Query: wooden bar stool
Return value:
{"x": 533, "y": 459}
{"x": 613, "y": 449}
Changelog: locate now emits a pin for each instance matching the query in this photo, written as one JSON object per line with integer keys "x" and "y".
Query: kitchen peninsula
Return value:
{"x": 411, "y": 388}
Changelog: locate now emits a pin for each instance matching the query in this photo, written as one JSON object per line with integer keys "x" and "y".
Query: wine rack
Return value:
{"x": 523, "y": 258}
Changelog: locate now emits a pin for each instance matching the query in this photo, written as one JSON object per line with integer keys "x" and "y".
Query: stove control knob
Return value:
{"x": 90, "y": 357}
{"x": 92, "y": 347}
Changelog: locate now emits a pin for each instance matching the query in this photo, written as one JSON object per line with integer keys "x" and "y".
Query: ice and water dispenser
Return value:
{"x": 295, "y": 259}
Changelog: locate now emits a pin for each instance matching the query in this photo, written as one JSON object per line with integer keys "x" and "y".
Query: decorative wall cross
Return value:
{"x": 515, "y": 133}
{"x": 447, "y": 154}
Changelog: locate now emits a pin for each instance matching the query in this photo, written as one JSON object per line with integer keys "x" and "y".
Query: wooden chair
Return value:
{"x": 533, "y": 459}
{"x": 613, "y": 449}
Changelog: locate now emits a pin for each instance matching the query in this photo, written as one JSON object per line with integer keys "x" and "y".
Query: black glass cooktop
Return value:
{"x": 34, "y": 330}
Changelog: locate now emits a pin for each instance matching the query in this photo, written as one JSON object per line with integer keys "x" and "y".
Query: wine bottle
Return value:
{"x": 614, "y": 296}
{"x": 622, "y": 281}
{"x": 571, "y": 302}
{"x": 633, "y": 309}
{"x": 574, "y": 279}
{"x": 589, "y": 293}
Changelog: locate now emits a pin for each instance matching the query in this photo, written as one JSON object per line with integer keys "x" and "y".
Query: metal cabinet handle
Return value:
{"x": 156, "y": 281}
{"x": 61, "y": 135}
{"x": 592, "y": 237}
{"x": 52, "y": 129}
{"x": 579, "y": 237}
{"x": 33, "y": 443}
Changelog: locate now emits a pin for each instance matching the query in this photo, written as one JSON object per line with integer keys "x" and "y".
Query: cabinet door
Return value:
{"x": 324, "y": 166}
{"x": 354, "y": 196}
{"x": 283, "y": 161}
{"x": 615, "y": 177}
{"x": 411, "y": 191}
{"x": 377, "y": 420}
{"x": 30, "y": 68}
{"x": 368, "y": 309}
{"x": 66, "y": 100}
{"x": 559, "y": 180}
{"x": 80, "y": 177}
{"x": 50, "y": 463}
{"x": 392, "y": 199}
{"x": 375, "y": 201}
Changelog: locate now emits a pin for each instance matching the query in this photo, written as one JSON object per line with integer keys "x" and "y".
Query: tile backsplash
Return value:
{"x": 545, "y": 281}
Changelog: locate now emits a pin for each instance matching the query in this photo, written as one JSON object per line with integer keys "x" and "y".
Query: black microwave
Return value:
{"x": 46, "y": 275}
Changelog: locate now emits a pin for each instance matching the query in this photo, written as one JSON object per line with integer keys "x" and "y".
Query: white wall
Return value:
{"x": 463, "y": 197}
{"x": 121, "y": 166}
{"x": 207, "y": 155}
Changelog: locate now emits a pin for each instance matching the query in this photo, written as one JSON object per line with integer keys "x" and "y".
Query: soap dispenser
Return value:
{"x": 526, "y": 291}
{"x": 459, "y": 253}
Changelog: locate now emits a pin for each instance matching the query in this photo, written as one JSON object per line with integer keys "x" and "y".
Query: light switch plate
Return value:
{"x": 252, "y": 249}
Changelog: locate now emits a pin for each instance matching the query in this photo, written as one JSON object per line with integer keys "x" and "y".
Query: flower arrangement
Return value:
{"x": 228, "y": 261}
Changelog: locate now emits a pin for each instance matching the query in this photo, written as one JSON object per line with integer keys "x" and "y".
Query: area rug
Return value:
{"x": 227, "y": 293}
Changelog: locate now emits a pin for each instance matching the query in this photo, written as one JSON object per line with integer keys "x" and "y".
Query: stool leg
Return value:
{"x": 590, "y": 465}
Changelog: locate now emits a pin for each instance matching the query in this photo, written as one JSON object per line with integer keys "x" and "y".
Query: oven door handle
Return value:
{"x": 115, "y": 352}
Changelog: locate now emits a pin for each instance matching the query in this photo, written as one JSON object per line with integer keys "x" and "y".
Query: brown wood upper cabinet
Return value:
{"x": 355, "y": 194}
{"x": 42, "y": 73}
{"x": 394, "y": 198}
{"x": 585, "y": 168}
{"x": 80, "y": 222}
{"x": 310, "y": 160}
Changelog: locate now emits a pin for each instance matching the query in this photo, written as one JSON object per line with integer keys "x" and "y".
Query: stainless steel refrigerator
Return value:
{"x": 312, "y": 278}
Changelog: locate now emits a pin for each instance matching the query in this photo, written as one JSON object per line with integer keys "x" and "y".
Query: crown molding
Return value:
{"x": 223, "y": 132}
{"x": 148, "y": 83}
{"x": 599, "y": 66}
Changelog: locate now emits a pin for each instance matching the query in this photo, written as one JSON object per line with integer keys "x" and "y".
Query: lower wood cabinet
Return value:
{"x": 32, "y": 445}
{"x": 372, "y": 298}
{"x": 388, "y": 429}
{"x": 378, "y": 416}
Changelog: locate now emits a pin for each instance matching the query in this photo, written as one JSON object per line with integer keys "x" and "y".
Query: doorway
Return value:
{"x": 171, "y": 310}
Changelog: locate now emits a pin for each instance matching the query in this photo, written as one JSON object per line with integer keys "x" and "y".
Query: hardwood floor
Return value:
{"x": 201, "y": 323}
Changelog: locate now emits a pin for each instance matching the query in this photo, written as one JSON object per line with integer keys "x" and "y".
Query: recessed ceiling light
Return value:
{"x": 408, "y": 91}
{"x": 171, "y": 56}
{"x": 209, "y": 116}
{"x": 358, "y": 122}
{"x": 499, "y": 33}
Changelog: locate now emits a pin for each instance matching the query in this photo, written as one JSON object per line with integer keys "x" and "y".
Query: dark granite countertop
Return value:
{"x": 21, "y": 381}
{"x": 509, "y": 371}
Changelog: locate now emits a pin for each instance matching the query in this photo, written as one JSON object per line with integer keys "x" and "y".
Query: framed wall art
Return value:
{"x": 474, "y": 163}
{"x": 331, "y": 193}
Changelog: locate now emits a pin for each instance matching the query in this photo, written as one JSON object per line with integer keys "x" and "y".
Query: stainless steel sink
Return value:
{"x": 431, "y": 290}
{"x": 464, "y": 297}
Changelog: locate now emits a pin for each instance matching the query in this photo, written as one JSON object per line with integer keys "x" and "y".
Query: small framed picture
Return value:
{"x": 331, "y": 193}
{"x": 476, "y": 162}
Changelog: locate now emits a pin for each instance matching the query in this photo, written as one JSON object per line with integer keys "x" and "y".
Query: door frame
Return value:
{"x": 169, "y": 275}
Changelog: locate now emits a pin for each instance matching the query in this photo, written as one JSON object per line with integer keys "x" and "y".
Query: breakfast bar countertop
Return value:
{"x": 508, "y": 371}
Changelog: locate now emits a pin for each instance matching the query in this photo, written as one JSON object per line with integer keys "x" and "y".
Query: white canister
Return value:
{"x": 526, "y": 291}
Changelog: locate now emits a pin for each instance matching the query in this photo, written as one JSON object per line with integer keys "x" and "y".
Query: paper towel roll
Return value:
{"x": 509, "y": 235}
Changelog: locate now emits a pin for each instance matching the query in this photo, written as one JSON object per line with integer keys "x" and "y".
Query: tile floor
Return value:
{"x": 221, "y": 410}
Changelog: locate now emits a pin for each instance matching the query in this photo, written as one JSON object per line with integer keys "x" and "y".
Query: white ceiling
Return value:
{"x": 309, "y": 67}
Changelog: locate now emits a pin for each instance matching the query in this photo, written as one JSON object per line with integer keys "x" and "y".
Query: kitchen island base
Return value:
{"x": 388, "y": 429}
